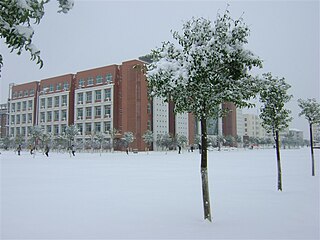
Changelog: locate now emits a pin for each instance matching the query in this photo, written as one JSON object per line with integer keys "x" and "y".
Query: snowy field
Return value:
{"x": 158, "y": 196}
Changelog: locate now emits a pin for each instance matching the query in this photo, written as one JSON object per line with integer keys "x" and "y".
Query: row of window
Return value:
{"x": 21, "y": 118}
{"x": 97, "y": 94}
{"x": 25, "y": 93}
{"x": 55, "y": 87}
{"x": 90, "y": 81}
{"x": 56, "y": 101}
{"x": 22, "y": 106}
{"x": 96, "y": 111}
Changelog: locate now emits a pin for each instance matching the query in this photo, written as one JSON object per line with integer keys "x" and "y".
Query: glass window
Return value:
{"x": 107, "y": 110}
{"x": 42, "y": 117}
{"x": 18, "y": 119}
{"x": 81, "y": 83}
{"x": 90, "y": 81}
{"x": 107, "y": 126}
{"x": 25, "y": 93}
{"x": 56, "y": 129}
{"x": 24, "y": 118}
{"x": 107, "y": 94}
{"x": 13, "y": 119}
{"x": 99, "y": 79}
{"x": 56, "y": 115}
{"x": 30, "y": 104}
{"x": 88, "y": 97}
{"x": 56, "y": 101}
{"x": 51, "y": 88}
{"x": 98, "y": 95}
{"x": 109, "y": 78}
{"x": 88, "y": 128}
{"x": 29, "y": 117}
{"x": 80, "y": 128}
{"x": 24, "y": 105}
{"x": 58, "y": 86}
{"x": 18, "y": 106}
{"x": 64, "y": 115}
{"x": 43, "y": 103}
{"x": 97, "y": 111}
{"x": 97, "y": 127}
{"x": 79, "y": 113}
{"x": 31, "y": 92}
{"x": 88, "y": 112}
{"x": 13, "y": 107}
{"x": 64, "y": 100}
{"x": 49, "y": 129}
{"x": 80, "y": 98}
{"x": 63, "y": 128}
{"x": 49, "y": 116}
{"x": 20, "y": 93}
{"x": 66, "y": 86}
{"x": 49, "y": 102}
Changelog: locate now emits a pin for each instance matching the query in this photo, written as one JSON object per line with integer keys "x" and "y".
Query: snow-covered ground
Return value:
{"x": 158, "y": 196}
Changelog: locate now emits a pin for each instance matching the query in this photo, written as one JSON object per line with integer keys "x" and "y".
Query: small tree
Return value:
{"x": 207, "y": 67}
{"x": 71, "y": 132}
{"x": 148, "y": 138}
{"x": 311, "y": 110}
{"x": 128, "y": 138}
{"x": 100, "y": 138}
{"x": 35, "y": 135}
{"x": 274, "y": 116}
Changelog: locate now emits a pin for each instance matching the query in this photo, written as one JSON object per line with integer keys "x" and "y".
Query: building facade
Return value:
{"x": 111, "y": 100}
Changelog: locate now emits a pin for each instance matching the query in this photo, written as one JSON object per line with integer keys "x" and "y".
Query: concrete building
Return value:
{"x": 253, "y": 127}
{"x": 3, "y": 119}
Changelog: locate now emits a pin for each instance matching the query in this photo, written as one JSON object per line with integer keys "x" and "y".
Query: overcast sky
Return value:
{"x": 284, "y": 34}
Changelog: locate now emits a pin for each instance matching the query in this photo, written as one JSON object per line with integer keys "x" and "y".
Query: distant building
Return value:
{"x": 3, "y": 119}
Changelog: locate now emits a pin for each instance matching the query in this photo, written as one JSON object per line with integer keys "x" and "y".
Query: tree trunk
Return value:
{"x": 312, "y": 154}
{"x": 278, "y": 162}
{"x": 204, "y": 170}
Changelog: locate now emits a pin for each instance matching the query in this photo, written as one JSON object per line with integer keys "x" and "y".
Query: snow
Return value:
{"x": 158, "y": 196}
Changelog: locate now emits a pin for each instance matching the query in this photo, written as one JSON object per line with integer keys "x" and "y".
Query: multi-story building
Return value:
{"x": 253, "y": 127}
{"x": 103, "y": 99}
{"x": 3, "y": 119}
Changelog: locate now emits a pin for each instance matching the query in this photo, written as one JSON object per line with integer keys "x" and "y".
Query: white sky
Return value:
{"x": 285, "y": 34}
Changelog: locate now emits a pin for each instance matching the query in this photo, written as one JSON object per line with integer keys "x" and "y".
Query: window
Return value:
{"x": 58, "y": 86}
{"x": 25, "y": 93}
{"x": 18, "y": 119}
{"x": 42, "y": 117}
{"x": 64, "y": 100}
{"x": 107, "y": 94}
{"x": 24, "y": 105}
{"x": 63, "y": 128}
{"x": 31, "y": 92}
{"x": 56, "y": 101}
{"x": 13, "y": 107}
{"x": 107, "y": 126}
{"x": 64, "y": 115}
{"x": 13, "y": 119}
{"x": 107, "y": 110}
{"x": 66, "y": 86}
{"x": 23, "y": 131}
{"x": 97, "y": 127}
{"x": 49, "y": 102}
{"x": 88, "y": 128}
{"x": 88, "y": 112}
{"x": 98, "y": 95}
{"x": 79, "y": 113}
{"x": 29, "y": 117}
{"x": 20, "y": 93}
{"x": 97, "y": 111}
{"x": 109, "y": 78}
{"x": 49, "y": 116}
{"x": 88, "y": 97}
{"x": 90, "y": 81}
{"x": 99, "y": 79}
{"x": 24, "y": 118}
{"x": 56, "y": 129}
{"x": 56, "y": 115}
{"x": 80, "y": 128}
{"x": 43, "y": 103}
{"x": 18, "y": 106}
{"x": 51, "y": 88}
{"x": 80, "y": 98}
{"x": 49, "y": 129}
{"x": 81, "y": 83}
{"x": 30, "y": 104}
{"x": 14, "y": 95}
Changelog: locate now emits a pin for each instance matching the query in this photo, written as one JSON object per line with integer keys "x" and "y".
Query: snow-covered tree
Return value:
{"x": 128, "y": 138}
{"x": 36, "y": 133}
{"x": 182, "y": 140}
{"x": 274, "y": 116}
{"x": 208, "y": 66}
{"x": 310, "y": 108}
{"x": 100, "y": 137}
{"x": 16, "y": 17}
{"x": 71, "y": 132}
{"x": 148, "y": 138}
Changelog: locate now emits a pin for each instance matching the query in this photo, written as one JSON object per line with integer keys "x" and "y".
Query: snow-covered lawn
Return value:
{"x": 158, "y": 195}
